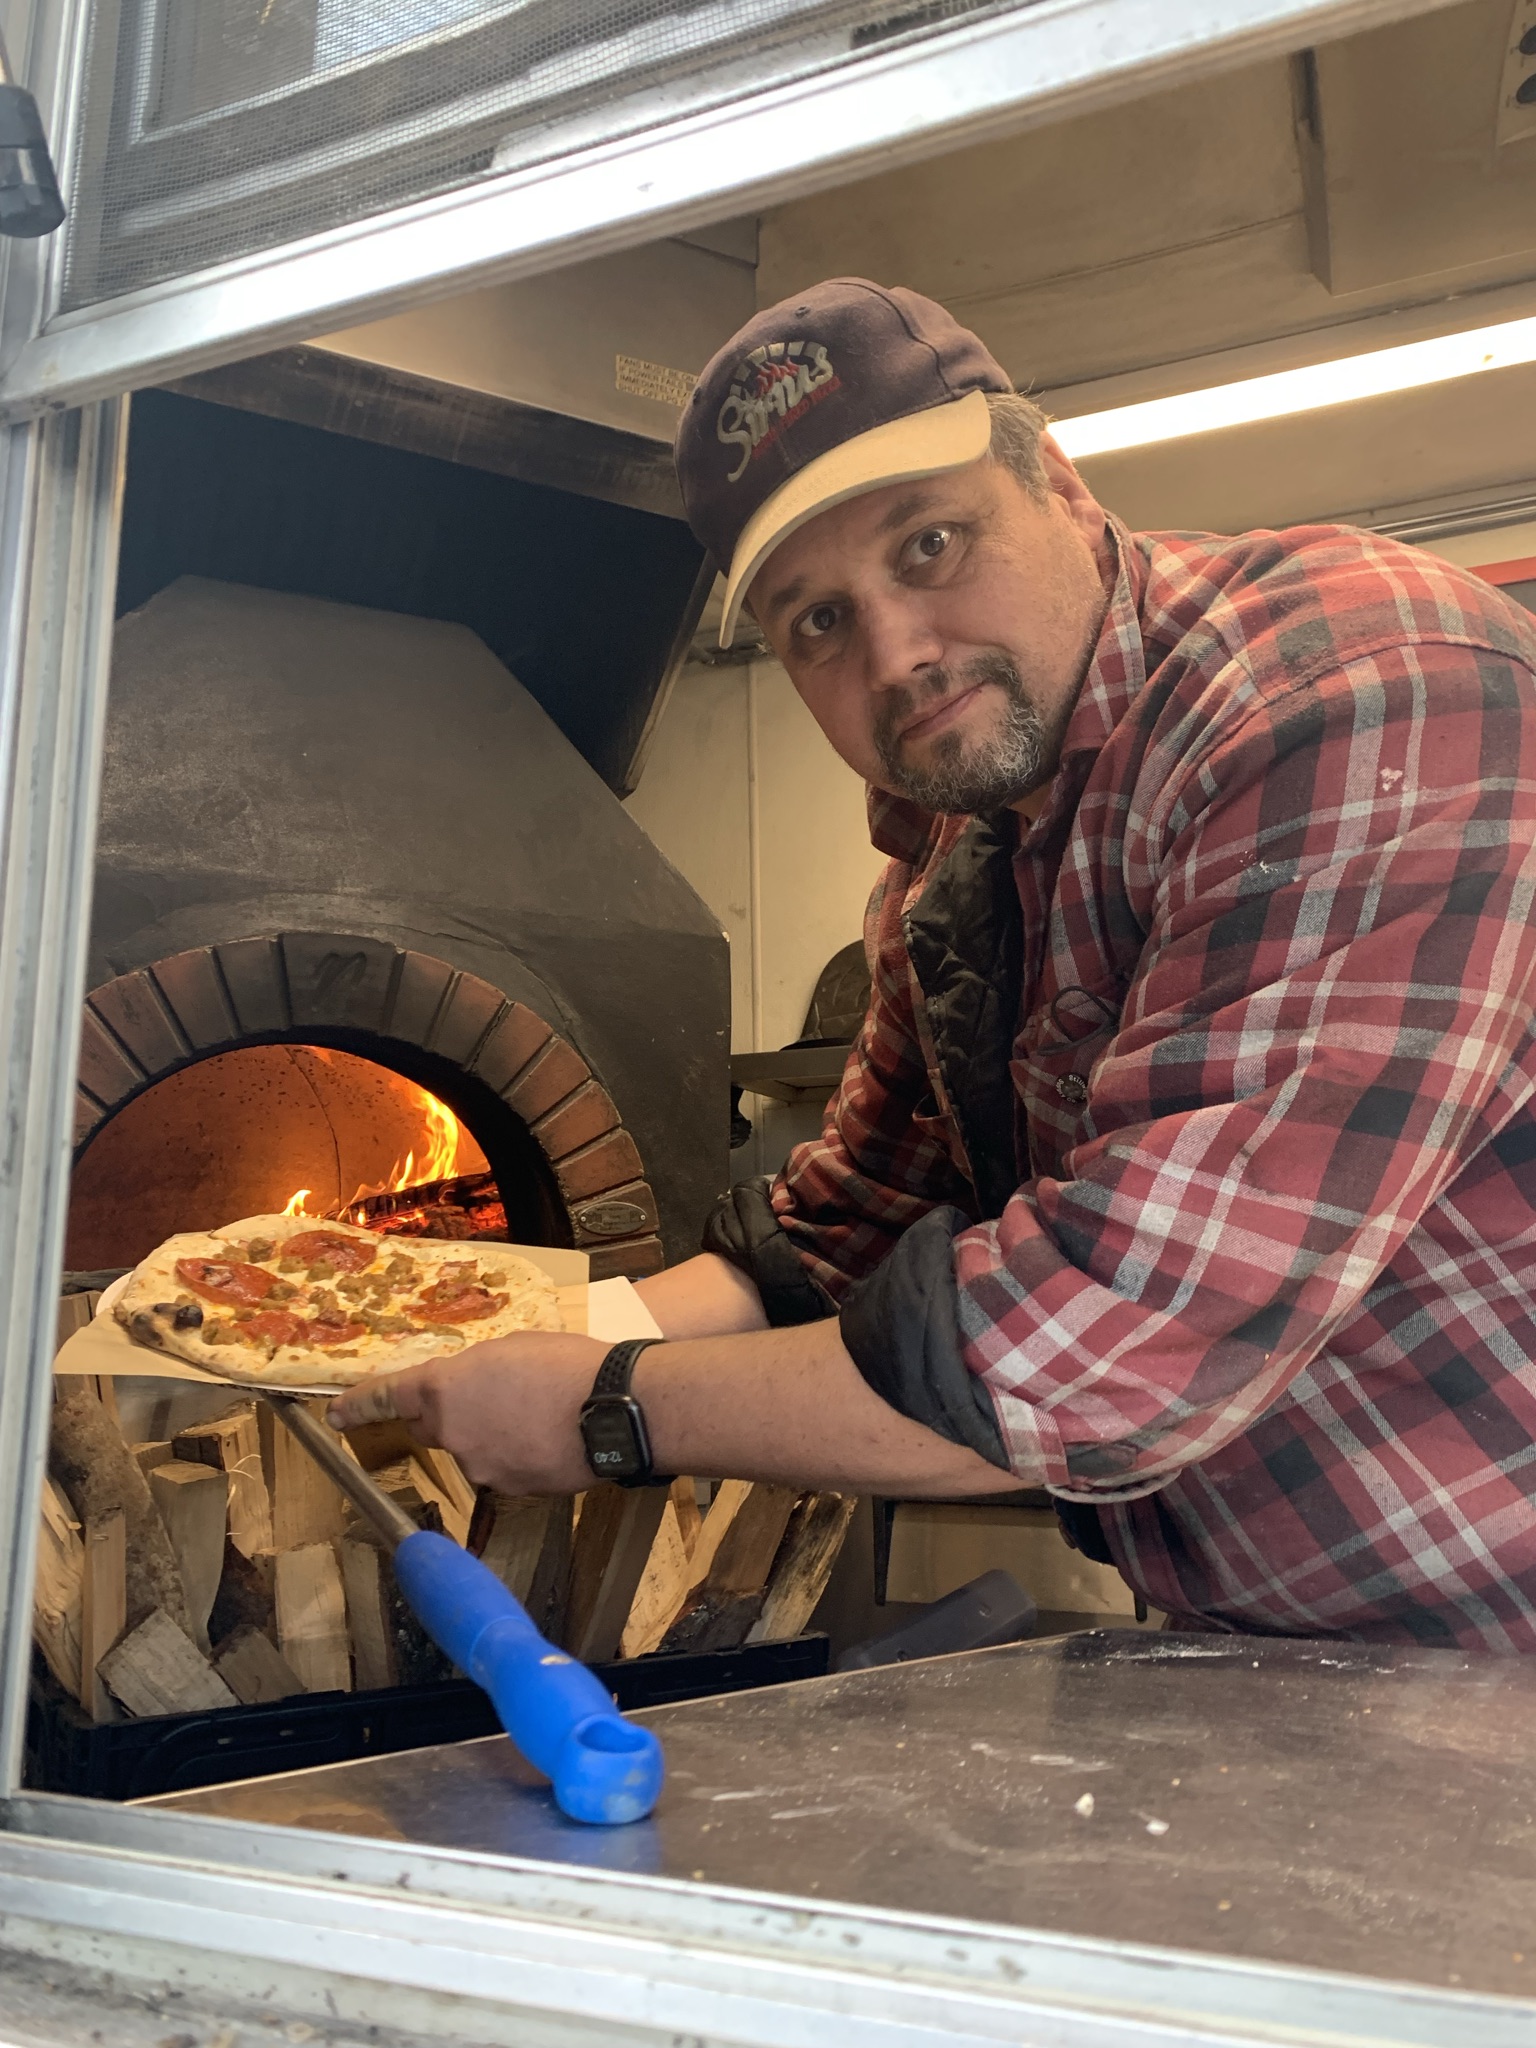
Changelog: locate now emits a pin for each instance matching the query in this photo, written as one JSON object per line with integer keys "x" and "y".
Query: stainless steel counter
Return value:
{"x": 1353, "y": 1809}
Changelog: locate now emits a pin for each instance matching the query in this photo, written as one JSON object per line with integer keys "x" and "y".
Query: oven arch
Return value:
{"x": 436, "y": 1024}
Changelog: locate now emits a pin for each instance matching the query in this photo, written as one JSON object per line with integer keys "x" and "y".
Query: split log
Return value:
{"x": 383, "y": 1447}
{"x": 376, "y": 1444}
{"x": 411, "y": 1490}
{"x": 724, "y": 1605}
{"x": 812, "y": 1542}
{"x": 547, "y": 1593}
{"x": 246, "y": 1597}
{"x": 307, "y": 1507}
{"x": 685, "y": 1503}
{"x": 255, "y": 1670}
{"x": 613, "y": 1540}
{"x": 103, "y": 1608}
{"x": 665, "y": 1596}
{"x": 312, "y": 1617}
{"x": 508, "y": 1533}
{"x": 99, "y": 1473}
{"x": 415, "y": 1658}
{"x": 662, "y": 1590}
{"x": 731, "y": 1496}
{"x": 233, "y": 1445}
{"x": 194, "y": 1505}
{"x": 57, "y": 1593}
{"x": 365, "y": 1579}
{"x": 75, "y": 1311}
{"x": 454, "y": 1490}
{"x": 148, "y": 1456}
{"x": 157, "y": 1669}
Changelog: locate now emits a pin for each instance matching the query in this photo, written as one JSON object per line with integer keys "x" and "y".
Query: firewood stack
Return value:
{"x": 222, "y": 1567}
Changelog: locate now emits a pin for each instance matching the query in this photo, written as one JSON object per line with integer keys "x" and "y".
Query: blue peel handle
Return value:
{"x": 603, "y": 1768}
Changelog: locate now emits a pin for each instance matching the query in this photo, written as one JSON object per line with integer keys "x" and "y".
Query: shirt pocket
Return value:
{"x": 931, "y": 1121}
{"x": 1061, "y": 1043}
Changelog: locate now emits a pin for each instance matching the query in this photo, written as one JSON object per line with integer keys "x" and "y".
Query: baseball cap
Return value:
{"x": 831, "y": 393}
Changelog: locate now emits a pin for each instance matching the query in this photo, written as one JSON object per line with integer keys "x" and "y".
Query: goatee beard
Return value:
{"x": 960, "y": 777}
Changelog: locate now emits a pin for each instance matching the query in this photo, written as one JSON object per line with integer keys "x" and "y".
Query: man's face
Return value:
{"x": 939, "y": 631}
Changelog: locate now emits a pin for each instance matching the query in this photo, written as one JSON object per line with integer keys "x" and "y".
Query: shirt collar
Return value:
{"x": 906, "y": 832}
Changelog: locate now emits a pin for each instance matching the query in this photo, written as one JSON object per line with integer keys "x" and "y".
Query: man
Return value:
{"x": 1186, "y": 1163}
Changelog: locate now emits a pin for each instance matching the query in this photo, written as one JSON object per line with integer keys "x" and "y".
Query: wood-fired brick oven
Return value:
{"x": 335, "y": 827}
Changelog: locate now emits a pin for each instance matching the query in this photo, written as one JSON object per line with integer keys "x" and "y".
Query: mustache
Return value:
{"x": 901, "y": 706}
{"x": 956, "y": 777}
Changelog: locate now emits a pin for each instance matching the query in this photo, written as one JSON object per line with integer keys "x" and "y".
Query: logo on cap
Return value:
{"x": 770, "y": 388}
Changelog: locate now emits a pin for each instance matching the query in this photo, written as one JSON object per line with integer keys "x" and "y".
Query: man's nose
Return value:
{"x": 900, "y": 643}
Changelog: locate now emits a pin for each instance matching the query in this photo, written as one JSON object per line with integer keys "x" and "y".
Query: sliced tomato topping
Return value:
{"x": 452, "y": 1302}
{"x": 344, "y": 1254}
{"x": 274, "y": 1326}
{"x": 229, "y": 1282}
{"x": 336, "y": 1333}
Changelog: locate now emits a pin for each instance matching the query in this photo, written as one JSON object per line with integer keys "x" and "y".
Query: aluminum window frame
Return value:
{"x": 525, "y": 1952}
{"x": 962, "y": 84}
{"x": 518, "y": 1951}
{"x": 494, "y": 100}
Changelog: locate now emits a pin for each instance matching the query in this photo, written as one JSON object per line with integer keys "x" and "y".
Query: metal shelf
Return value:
{"x": 798, "y": 1073}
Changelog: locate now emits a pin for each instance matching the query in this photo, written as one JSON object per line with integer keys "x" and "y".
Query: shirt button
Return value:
{"x": 1072, "y": 1088}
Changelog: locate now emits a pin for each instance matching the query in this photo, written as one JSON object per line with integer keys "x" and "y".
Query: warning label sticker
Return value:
{"x": 652, "y": 380}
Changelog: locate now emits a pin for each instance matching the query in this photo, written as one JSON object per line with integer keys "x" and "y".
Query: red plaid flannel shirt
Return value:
{"x": 1266, "y": 1295}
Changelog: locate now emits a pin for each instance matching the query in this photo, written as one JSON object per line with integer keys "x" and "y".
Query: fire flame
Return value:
{"x": 447, "y": 1150}
{"x": 439, "y": 1159}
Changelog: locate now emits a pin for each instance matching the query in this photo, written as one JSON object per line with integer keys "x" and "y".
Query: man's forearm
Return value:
{"x": 703, "y": 1297}
{"x": 787, "y": 1405}
{"x": 791, "y": 1405}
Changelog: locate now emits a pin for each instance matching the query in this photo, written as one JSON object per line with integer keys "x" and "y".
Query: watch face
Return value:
{"x": 610, "y": 1430}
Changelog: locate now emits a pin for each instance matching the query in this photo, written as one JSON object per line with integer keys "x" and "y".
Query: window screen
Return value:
{"x": 217, "y": 128}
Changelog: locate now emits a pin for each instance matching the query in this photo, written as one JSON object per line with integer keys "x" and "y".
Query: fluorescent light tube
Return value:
{"x": 1370, "y": 375}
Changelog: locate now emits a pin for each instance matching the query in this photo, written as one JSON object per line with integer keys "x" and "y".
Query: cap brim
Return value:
{"x": 922, "y": 444}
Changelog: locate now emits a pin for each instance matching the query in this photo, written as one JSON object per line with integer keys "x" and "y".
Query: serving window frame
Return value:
{"x": 384, "y": 1932}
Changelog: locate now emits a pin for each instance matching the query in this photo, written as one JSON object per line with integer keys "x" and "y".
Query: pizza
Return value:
{"x": 288, "y": 1301}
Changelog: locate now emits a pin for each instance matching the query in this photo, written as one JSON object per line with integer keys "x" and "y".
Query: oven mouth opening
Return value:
{"x": 329, "y": 1123}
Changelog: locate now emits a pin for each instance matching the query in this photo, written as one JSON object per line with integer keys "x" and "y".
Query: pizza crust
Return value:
{"x": 147, "y": 1306}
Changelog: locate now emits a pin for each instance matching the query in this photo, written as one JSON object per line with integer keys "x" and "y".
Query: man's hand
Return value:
{"x": 509, "y": 1409}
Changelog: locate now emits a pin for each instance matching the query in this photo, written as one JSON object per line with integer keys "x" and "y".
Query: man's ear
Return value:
{"x": 1079, "y": 503}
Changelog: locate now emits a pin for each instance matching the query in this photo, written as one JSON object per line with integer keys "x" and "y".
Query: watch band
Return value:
{"x": 617, "y": 1369}
{"x": 610, "y": 1400}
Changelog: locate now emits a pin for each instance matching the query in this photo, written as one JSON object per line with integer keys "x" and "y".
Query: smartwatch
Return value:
{"x": 613, "y": 1431}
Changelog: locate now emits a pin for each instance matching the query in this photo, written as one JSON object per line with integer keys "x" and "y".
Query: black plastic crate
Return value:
{"x": 66, "y": 1752}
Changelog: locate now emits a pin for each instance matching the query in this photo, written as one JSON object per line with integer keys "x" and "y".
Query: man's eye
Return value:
{"x": 928, "y": 545}
{"x": 820, "y": 619}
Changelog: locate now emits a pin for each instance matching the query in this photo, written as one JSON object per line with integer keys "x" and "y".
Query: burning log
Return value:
{"x": 466, "y": 1206}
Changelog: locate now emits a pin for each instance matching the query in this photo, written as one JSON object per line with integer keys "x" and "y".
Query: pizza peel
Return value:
{"x": 602, "y": 1768}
